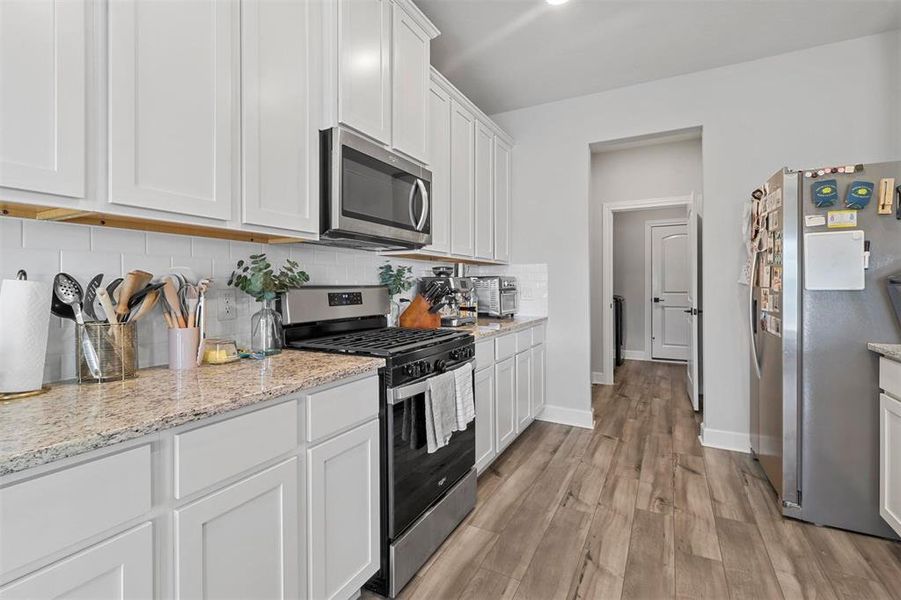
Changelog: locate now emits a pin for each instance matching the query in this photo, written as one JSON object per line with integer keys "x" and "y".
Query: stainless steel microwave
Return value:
{"x": 371, "y": 197}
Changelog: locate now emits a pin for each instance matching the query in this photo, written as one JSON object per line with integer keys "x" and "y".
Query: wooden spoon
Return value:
{"x": 134, "y": 281}
{"x": 172, "y": 299}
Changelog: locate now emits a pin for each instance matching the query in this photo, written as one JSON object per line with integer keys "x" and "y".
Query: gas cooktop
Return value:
{"x": 382, "y": 342}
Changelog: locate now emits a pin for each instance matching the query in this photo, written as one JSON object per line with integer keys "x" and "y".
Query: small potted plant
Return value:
{"x": 256, "y": 278}
{"x": 398, "y": 280}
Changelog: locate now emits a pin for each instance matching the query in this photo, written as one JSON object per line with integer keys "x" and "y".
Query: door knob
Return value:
{"x": 656, "y": 300}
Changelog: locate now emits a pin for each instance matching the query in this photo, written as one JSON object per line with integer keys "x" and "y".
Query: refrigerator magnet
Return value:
{"x": 859, "y": 194}
{"x": 765, "y": 299}
{"x": 776, "y": 279}
{"x": 824, "y": 193}
{"x": 774, "y": 222}
{"x": 814, "y": 220}
{"x": 774, "y": 325}
{"x": 764, "y": 275}
{"x": 838, "y": 219}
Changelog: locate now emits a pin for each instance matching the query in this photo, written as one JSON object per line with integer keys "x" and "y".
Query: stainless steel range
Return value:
{"x": 423, "y": 496}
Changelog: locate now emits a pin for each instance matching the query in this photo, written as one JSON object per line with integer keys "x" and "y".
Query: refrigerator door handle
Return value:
{"x": 752, "y": 315}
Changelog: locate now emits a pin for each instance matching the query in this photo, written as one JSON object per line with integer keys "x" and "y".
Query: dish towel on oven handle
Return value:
{"x": 465, "y": 401}
{"x": 440, "y": 411}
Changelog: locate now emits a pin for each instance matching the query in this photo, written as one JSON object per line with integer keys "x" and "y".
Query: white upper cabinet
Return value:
{"x": 42, "y": 96}
{"x": 173, "y": 105}
{"x": 502, "y": 199}
{"x": 364, "y": 67}
{"x": 439, "y": 151}
{"x": 484, "y": 205}
{"x": 462, "y": 179}
{"x": 411, "y": 79}
{"x": 281, "y": 82}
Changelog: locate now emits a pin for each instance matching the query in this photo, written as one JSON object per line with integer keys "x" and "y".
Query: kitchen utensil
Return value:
{"x": 112, "y": 289}
{"x": 106, "y": 302}
{"x": 21, "y": 275}
{"x": 443, "y": 270}
{"x": 68, "y": 290}
{"x": 116, "y": 348}
{"x": 417, "y": 315}
{"x": 192, "y": 296}
{"x": 438, "y": 306}
{"x": 172, "y": 300}
{"x": 60, "y": 309}
{"x": 146, "y": 306}
{"x": 134, "y": 281}
{"x": 90, "y": 293}
{"x": 138, "y": 296}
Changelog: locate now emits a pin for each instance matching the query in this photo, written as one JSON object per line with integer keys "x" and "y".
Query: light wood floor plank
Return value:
{"x": 487, "y": 584}
{"x": 727, "y": 487}
{"x": 699, "y": 578}
{"x": 552, "y": 568}
{"x": 650, "y": 566}
{"x": 693, "y": 512}
{"x": 450, "y": 575}
{"x": 749, "y": 571}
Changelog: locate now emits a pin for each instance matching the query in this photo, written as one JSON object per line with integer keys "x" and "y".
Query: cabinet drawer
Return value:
{"x": 210, "y": 454}
{"x": 890, "y": 377}
{"x": 505, "y": 347}
{"x": 523, "y": 340}
{"x": 484, "y": 354}
{"x": 49, "y": 513}
{"x": 539, "y": 334}
{"x": 337, "y": 408}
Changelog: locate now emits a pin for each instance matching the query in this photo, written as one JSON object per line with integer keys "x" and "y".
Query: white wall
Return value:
{"x": 629, "y": 280}
{"x": 651, "y": 170}
{"x": 44, "y": 248}
{"x": 756, "y": 118}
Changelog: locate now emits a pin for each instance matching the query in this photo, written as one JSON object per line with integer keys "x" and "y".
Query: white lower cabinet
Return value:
{"x": 242, "y": 541}
{"x": 539, "y": 379}
{"x": 523, "y": 390}
{"x": 344, "y": 512}
{"x": 117, "y": 569}
{"x": 890, "y": 461}
{"x": 484, "y": 401}
{"x": 505, "y": 402}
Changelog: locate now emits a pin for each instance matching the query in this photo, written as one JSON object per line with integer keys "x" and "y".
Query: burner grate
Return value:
{"x": 380, "y": 342}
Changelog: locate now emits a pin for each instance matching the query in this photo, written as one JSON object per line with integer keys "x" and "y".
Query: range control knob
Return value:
{"x": 440, "y": 365}
{"x": 456, "y": 354}
{"x": 410, "y": 369}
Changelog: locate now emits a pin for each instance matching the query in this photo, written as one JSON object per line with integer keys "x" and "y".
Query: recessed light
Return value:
{"x": 556, "y": 2}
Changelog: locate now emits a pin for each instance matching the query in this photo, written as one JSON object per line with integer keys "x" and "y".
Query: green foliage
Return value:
{"x": 257, "y": 279}
{"x": 398, "y": 279}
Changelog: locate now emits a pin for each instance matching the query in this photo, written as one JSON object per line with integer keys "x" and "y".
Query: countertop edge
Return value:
{"x": 74, "y": 447}
{"x": 519, "y": 324}
{"x": 890, "y": 351}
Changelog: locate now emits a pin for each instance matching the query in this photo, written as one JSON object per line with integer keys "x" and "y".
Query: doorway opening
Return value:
{"x": 645, "y": 259}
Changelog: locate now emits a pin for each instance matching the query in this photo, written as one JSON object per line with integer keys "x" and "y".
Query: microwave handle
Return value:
{"x": 425, "y": 205}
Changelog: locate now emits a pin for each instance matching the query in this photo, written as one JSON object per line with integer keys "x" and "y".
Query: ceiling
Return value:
{"x": 507, "y": 54}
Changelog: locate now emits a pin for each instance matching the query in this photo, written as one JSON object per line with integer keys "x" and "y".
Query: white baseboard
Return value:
{"x": 598, "y": 378}
{"x": 567, "y": 416}
{"x": 636, "y": 355}
{"x": 726, "y": 440}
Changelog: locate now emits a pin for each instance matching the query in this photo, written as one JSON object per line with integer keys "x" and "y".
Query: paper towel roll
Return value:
{"x": 24, "y": 319}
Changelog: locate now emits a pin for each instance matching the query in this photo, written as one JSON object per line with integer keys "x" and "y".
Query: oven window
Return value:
{"x": 376, "y": 191}
{"x": 508, "y": 302}
{"x": 417, "y": 478}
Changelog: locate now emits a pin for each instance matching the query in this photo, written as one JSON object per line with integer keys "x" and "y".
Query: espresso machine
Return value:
{"x": 460, "y": 306}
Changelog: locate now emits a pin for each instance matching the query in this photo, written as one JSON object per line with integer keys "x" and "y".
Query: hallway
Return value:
{"x": 638, "y": 509}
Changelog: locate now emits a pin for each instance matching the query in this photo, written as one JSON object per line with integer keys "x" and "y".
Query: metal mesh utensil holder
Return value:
{"x": 116, "y": 346}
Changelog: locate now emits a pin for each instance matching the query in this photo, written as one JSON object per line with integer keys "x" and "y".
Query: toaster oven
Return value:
{"x": 497, "y": 296}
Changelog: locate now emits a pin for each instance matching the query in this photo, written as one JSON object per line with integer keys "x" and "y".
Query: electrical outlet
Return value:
{"x": 228, "y": 305}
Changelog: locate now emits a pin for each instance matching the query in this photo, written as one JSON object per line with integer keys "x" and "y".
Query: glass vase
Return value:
{"x": 394, "y": 313}
{"x": 266, "y": 335}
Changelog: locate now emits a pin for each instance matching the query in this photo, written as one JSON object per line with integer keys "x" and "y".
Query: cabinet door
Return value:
{"x": 462, "y": 179}
{"x": 502, "y": 199}
{"x": 484, "y": 401}
{"x": 42, "y": 96}
{"x": 344, "y": 512}
{"x": 280, "y": 92}
{"x": 242, "y": 541}
{"x": 539, "y": 379}
{"x": 364, "y": 67}
{"x": 505, "y": 402}
{"x": 484, "y": 203}
{"x": 119, "y": 568}
{"x": 890, "y": 461}
{"x": 173, "y": 105}
{"x": 440, "y": 165}
{"x": 410, "y": 84}
{"x": 523, "y": 390}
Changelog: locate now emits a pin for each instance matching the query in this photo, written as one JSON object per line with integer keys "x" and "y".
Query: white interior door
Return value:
{"x": 694, "y": 248}
{"x": 670, "y": 282}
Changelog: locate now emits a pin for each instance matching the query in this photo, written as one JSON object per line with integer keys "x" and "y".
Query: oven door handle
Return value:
{"x": 399, "y": 394}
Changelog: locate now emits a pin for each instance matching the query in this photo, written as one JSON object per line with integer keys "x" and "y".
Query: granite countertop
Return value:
{"x": 71, "y": 419}
{"x": 892, "y": 351}
{"x": 506, "y": 326}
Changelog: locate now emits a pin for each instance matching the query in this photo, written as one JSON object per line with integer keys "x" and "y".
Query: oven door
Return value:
{"x": 417, "y": 479}
{"x": 375, "y": 193}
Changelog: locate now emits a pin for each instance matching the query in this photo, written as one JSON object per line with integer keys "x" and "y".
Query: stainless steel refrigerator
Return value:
{"x": 814, "y": 385}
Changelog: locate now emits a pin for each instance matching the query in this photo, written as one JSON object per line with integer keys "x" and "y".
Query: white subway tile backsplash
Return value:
{"x": 126, "y": 241}
{"x": 242, "y": 250}
{"x": 85, "y": 264}
{"x": 210, "y": 247}
{"x": 10, "y": 233}
{"x": 40, "y": 264}
{"x": 168, "y": 244}
{"x": 52, "y": 235}
{"x": 146, "y": 262}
